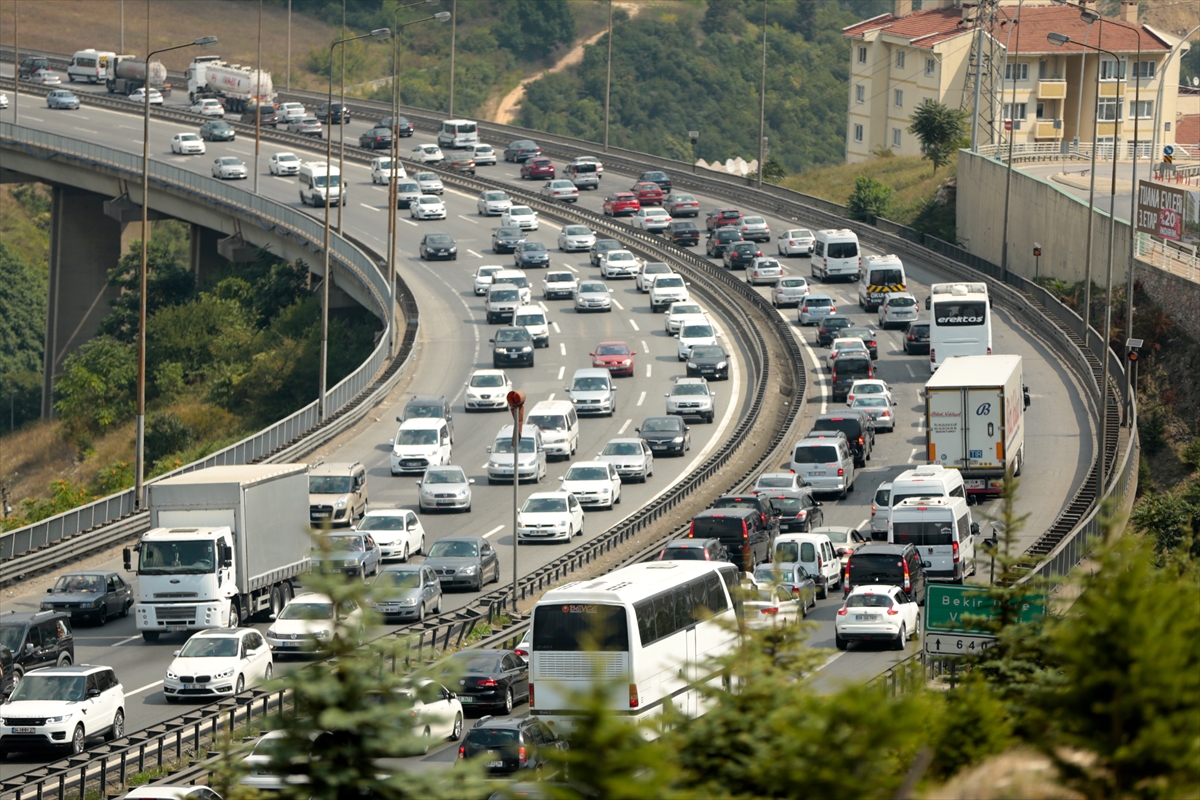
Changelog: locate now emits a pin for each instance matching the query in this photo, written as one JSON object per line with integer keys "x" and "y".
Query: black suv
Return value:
{"x": 830, "y": 328}
{"x": 740, "y": 255}
{"x": 39, "y": 639}
{"x": 510, "y": 745}
{"x": 8, "y": 672}
{"x": 858, "y": 427}
{"x": 760, "y": 503}
{"x": 720, "y": 239}
{"x": 332, "y": 113}
{"x": 683, "y": 233}
{"x": 886, "y": 565}
{"x": 32, "y": 64}
{"x": 916, "y": 338}
{"x": 747, "y": 538}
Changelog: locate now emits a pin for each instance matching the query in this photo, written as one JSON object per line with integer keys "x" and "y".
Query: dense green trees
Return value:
{"x": 941, "y": 130}
{"x": 22, "y": 327}
{"x": 532, "y": 28}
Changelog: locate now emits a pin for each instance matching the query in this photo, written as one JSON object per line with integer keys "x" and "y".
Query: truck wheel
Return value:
{"x": 276, "y": 600}
{"x": 234, "y": 616}
{"x": 150, "y": 636}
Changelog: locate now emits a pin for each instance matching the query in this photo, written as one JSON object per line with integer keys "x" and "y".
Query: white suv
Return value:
{"x": 666, "y": 290}
{"x": 897, "y": 308}
{"x": 63, "y": 707}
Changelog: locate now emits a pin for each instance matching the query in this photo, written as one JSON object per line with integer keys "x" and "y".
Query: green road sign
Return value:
{"x": 947, "y": 604}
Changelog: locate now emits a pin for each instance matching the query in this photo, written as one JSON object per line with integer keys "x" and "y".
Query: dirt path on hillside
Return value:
{"x": 507, "y": 110}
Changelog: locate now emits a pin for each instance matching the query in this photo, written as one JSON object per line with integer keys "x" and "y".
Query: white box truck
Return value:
{"x": 225, "y": 543}
{"x": 975, "y": 419}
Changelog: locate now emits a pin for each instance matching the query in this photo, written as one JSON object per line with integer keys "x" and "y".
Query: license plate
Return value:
{"x": 496, "y": 764}
{"x": 289, "y": 644}
{"x": 24, "y": 730}
{"x": 816, "y": 474}
{"x": 189, "y": 686}
{"x": 866, "y": 617}
{"x": 445, "y": 502}
{"x": 974, "y": 484}
{"x": 514, "y": 355}
{"x": 176, "y": 628}
{"x": 466, "y": 700}
{"x": 658, "y": 447}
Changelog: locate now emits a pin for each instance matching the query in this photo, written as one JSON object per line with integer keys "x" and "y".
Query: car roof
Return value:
{"x": 334, "y": 467}
{"x": 419, "y": 423}
{"x": 473, "y": 539}
{"x": 883, "y": 548}
{"x": 70, "y": 669}
{"x": 598, "y": 463}
{"x": 543, "y": 495}
{"x": 873, "y": 588}
{"x": 685, "y": 380}
{"x": 735, "y": 511}
{"x": 602, "y": 344}
{"x": 426, "y": 400}
{"x": 623, "y": 440}
{"x": 220, "y": 632}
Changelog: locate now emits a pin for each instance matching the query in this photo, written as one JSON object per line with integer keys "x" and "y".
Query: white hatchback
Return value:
{"x": 483, "y": 278}
{"x": 558, "y": 284}
{"x": 678, "y": 312}
{"x": 668, "y": 290}
{"x": 398, "y": 532}
{"x": 695, "y": 333}
{"x": 870, "y": 386}
{"x": 485, "y": 155}
{"x": 427, "y": 206}
{"x": 632, "y": 458}
{"x": 522, "y": 217}
{"x": 308, "y": 622}
{"x": 427, "y": 154}
{"x": 877, "y": 613}
{"x": 381, "y": 170}
{"x": 488, "y": 390}
{"x": 897, "y": 308}
{"x": 231, "y": 660}
{"x": 189, "y": 144}
{"x": 550, "y": 516}
{"x": 841, "y": 347}
{"x": 209, "y": 107}
{"x": 619, "y": 264}
{"x": 796, "y": 242}
{"x": 593, "y": 483}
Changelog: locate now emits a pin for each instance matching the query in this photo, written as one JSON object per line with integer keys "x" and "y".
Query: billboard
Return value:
{"x": 1161, "y": 210}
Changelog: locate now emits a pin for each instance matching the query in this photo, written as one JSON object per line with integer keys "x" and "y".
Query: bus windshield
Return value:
{"x": 580, "y": 628}
{"x": 960, "y": 312}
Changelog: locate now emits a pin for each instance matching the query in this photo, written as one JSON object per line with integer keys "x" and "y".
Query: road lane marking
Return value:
{"x": 461, "y": 194}
{"x": 912, "y": 459}
{"x": 624, "y": 427}
{"x": 863, "y": 525}
{"x": 408, "y": 222}
{"x": 648, "y": 370}
{"x": 820, "y": 380}
{"x": 126, "y": 641}
{"x": 911, "y": 374}
{"x": 551, "y": 397}
{"x": 561, "y": 372}
{"x": 556, "y": 328}
{"x": 645, "y": 347}
{"x": 468, "y": 219}
{"x": 472, "y": 252}
{"x": 572, "y": 268}
{"x": 276, "y": 177}
{"x": 562, "y": 348}
{"x": 493, "y": 531}
{"x": 542, "y": 306}
{"x": 640, "y": 399}
{"x": 87, "y": 130}
{"x": 364, "y": 205}
{"x": 635, "y": 325}
{"x": 618, "y": 305}
{"x": 144, "y": 688}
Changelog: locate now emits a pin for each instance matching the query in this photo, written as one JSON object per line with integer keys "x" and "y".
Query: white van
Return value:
{"x": 421, "y": 442}
{"x": 816, "y": 554}
{"x": 931, "y": 480}
{"x": 314, "y": 175}
{"x": 531, "y": 460}
{"x": 942, "y": 531}
{"x": 457, "y": 134}
{"x": 381, "y": 170}
{"x": 880, "y": 275}
{"x": 89, "y": 65}
{"x": 517, "y": 278}
{"x": 559, "y": 425}
{"x": 533, "y": 319}
{"x": 836, "y": 254}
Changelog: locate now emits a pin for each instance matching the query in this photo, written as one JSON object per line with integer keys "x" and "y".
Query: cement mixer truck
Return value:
{"x": 127, "y": 74}
{"x": 238, "y": 87}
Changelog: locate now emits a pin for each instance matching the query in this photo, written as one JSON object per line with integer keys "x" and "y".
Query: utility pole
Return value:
{"x": 607, "y": 99}
{"x": 453, "y": 31}
{"x": 762, "y": 104}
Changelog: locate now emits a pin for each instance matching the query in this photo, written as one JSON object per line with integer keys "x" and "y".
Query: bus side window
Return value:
{"x": 958, "y": 491}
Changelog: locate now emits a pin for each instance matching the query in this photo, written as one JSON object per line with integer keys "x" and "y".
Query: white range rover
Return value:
{"x": 63, "y": 707}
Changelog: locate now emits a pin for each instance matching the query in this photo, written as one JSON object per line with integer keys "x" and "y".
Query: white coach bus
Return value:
{"x": 644, "y": 630}
{"x": 960, "y": 323}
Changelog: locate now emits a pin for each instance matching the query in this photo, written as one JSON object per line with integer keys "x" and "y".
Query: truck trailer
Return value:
{"x": 126, "y": 74}
{"x": 238, "y": 87}
{"x": 225, "y": 543}
{"x": 975, "y": 419}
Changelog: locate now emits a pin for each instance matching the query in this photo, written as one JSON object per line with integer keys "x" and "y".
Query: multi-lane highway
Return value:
{"x": 453, "y": 341}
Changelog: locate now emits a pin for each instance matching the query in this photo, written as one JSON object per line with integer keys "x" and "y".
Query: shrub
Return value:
{"x": 96, "y": 388}
{"x": 165, "y": 434}
{"x": 870, "y": 199}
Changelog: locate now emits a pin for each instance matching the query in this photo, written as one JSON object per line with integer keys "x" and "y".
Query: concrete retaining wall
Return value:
{"x": 1179, "y": 297}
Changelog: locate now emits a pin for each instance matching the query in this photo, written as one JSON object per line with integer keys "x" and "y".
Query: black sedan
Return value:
{"x": 683, "y": 233}
{"x": 867, "y": 336}
{"x": 799, "y": 511}
{"x": 531, "y": 254}
{"x": 916, "y": 338}
{"x": 402, "y": 127}
{"x": 666, "y": 435}
{"x": 488, "y": 679}
{"x": 93, "y": 595}
{"x": 740, "y": 255}
{"x": 512, "y": 347}
{"x": 438, "y": 245}
{"x": 831, "y": 328}
{"x": 521, "y": 151}
{"x": 375, "y": 139}
{"x": 333, "y": 113}
{"x": 661, "y": 178}
{"x": 464, "y": 562}
{"x": 507, "y": 239}
{"x": 217, "y": 130}
{"x": 708, "y": 361}
{"x": 601, "y": 247}
{"x": 721, "y": 239}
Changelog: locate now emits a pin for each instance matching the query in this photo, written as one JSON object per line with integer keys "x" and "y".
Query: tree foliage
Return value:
{"x": 169, "y": 282}
{"x": 22, "y": 325}
{"x": 870, "y": 199}
{"x": 97, "y": 386}
{"x": 531, "y": 29}
{"x": 940, "y": 129}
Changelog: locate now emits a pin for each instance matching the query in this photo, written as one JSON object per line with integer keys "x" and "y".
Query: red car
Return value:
{"x": 616, "y": 357}
{"x": 649, "y": 193}
{"x": 538, "y": 168}
{"x": 619, "y": 203}
{"x": 720, "y": 217}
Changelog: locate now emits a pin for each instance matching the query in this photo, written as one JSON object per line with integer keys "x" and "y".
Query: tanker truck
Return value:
{"x": 233, "y": 84}
{"x": 127, "y": 74}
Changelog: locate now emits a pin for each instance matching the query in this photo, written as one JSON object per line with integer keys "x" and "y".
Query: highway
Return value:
{"x": 453, "y": 341}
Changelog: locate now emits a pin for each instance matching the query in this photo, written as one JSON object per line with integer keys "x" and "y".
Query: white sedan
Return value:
{"x": 429, "y": 182}
{"x": 522, "y": 217}
{"x": 436, "y": 713}
{"x": 488, "y": 389}
{"x": 187, "y": 144}
{"x": 547, "y": 516}
{"x": 594, "y": 484}
{"x": 209, "y": 107}
{"x": 427, "y": 154}
{"x": 485, "y": 155}
{"x": 139, "y": 96}
{"x": 234, "y": 659}
{"x": 561, "y": 190}
{"x": 47, "y": 78}
{"x": 619, "y": 264}
{"x": 649, "y": 273}
{"x": 796, "y": 242}
{"x": 308, "y": 622}
{"x": 428, "y": 206}
{"x": 869, "y": 387}
{"x": 764, "y": 270}
{"x": 229, "y": 168}
{"x": 651, "y": 219}
{"x": 397, "y": 531}
{"x": 574, "y": 238}
{"x": 877, "y": 613}
{"x": 445, "y": 488}
{"x": 679, "y": 312}
{"x": 492, "y": 202}
{"x": 632, "y": 458}
{"x": 284, "y": 164}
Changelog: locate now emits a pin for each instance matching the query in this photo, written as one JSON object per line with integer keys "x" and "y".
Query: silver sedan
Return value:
{"x": 445, "y": 489}
{"x": 593, "y": 296}
{"x": 229, "y": 168}
{"x": 789, "y": 292}
{"x": 764, "y": 270}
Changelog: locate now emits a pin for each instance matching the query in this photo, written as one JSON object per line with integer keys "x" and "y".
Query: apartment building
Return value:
{"x": 1049, "y": 92}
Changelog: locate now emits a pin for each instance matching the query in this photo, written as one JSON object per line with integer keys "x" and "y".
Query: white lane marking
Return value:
{"x": 373, "y": 208}
{"x": 556, "y": 328}
{"x": 77, "y": 115}
{"x": 468, "y": 219}
{"x": 87, "y": 130}
{"x": 126, "y": 641}
{"x": 912, "y": 459}
{"x": 634, "y": 324}
{"x": 240, "y": 150}
{"x": 472, "y": 252}
{"x": 624, "y": 427}
{"x": 618, "y": 305}
{"x": 408, "y": 222}
{"x": 144, "y": 688}
{"x": 911, "y": 374}
{"x": 820, "y": 380}
{"x": 129, "y": 127}
{"x": 572, "y": 268}
{"x": 645, "y": 347}
{"x": 648, "y": 370}
{"x": 276, "y": 177}
{"x": 863, "y": 525}
{"x": 493, "y": 531}
{"x": 542, "y": 306}
{"x": 483, "y": 465}
{"x": 562, "y": 348}
{"x": 549, "y": 224}
{"x": 37, "y": 119}
{"x": 561, "y": 371}
{"x": 551, "y": 397}
{"x": 462, "y": 194}
{"x": 641, "y": 398}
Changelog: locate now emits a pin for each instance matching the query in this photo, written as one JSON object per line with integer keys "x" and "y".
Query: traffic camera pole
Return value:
{"x": 516, "y": 404}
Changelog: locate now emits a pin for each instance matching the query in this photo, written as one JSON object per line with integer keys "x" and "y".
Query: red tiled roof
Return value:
{"x": 926, "y": 28}
{"x": 1187, "y": 130}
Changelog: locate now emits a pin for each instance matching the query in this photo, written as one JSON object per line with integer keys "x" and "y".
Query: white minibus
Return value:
{"x": 89, "y": 65}
{"x": 942, "y": 531}
{"x": 836, "y": 254}
{"x": 960, "y": 323}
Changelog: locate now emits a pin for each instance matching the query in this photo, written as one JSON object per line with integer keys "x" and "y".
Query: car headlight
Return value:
{"x": 272, "y": 634}
{"x": 396, "y": 452}
{"x": 722, "y": 365}
{"x": 562, "y": 523}
{"x": 467, "y": 571}
{"x": 56, "y": 720}
{"x": 228, "y": 673}
{"x": 626, "y": 363}
{"x": 96, "y": 603}
{"x": 452, "y": 249}
{"x": 408, "y": 601}
{"x": 526, "y": 349}
{"x": 321, "y": 634}
{"x": 677, "y": 440}
{"x": 341, "y": 503}
{"x": 691, "y": 365}
{"x": 46, "y": 606}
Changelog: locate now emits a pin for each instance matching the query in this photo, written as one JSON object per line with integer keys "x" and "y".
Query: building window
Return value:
{"x": 1020, "y": 70}
{"x": 1112, "y": 70}
{"x": 1141, "y": 110}
{"x": 1020, "y": 108}
{"x": 860, "y": 93}
{"x": 858, "y": 132}
{"x": 930, "y": 66}
{"x": 900, "y": 59}
{"x": 1041, "y": 110}
{"x": 862, "y": 55}
{"x": 1109, "y": 110}
{"x": 899, "y": 98}
{"x": 895, "y": 137}
{"x": 1144, "y": 70}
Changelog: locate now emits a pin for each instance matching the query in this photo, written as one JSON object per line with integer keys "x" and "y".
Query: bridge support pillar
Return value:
{"x": 206, "y": 259}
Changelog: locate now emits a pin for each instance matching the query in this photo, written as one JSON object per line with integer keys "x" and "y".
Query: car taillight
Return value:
{"x": 893, "y": 611}
{"x": 768, "y": 611}
{"x": 846, "y": 579}
{"x": 912, "y": 338}
{"x": 820, "y": 563}
{"x": 521, "y": 757}
{"x": 531, "y": 705}
{"x": 989, "y": 351}
{"x": 842, "y": 611}
{"x": 841, "y": 472}
{"x": 860, "y": 440}
{"x": 692, "y": 530}
{"x": 885, "y": 413}
{"x": 791, "y": 243}
{"x": 522, "y": 653}
{"x": 745, "y": 530}
{"x": 955, "y": 551}
{"x": 833, "y": 309}
{"x": 633, "y": 695}
{"x": 907, "y": 578}
{"x": 462, "y": 752}
{"x": 487, "y": 682}
{"x": 802, "y": 514}
{"x": 932, "y": 355}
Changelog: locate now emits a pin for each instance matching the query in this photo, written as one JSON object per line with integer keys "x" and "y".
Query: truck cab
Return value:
{"x": 176, "y": 567}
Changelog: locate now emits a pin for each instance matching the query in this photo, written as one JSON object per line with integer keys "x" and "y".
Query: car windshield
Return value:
{"x": 612, "y": 350}
{"x": 545, "y": 505}
{"x": 769, "y": 574}
{"x": 818, "y": 301}
{"x": 709, "y": 351}
{"x": 606, "y": 244}
{"x": 587, "y": 473}
{"x": 495, "y": 196}
{"x": 426, "y": 176}
{"x": 79, "y": 583}
{"x": 68, "y": 688}
{"x": 619, "y": 255}
{"x": 696, "y": 332}
{"x": 445, "y": 476}
{"x": 663, "y": 424}
{"x": 487, "y": 272}
{"x": 842, "y": 250}
{"x": 680, "y": 309}
{"x": 684, "y": 552}
{"x": 176, "y": 558}
{"x": 788, "y": 506}
{"x": 815, "y": 455}
{"x": 401, "y": 579}
{"x": 521, "y": 211}
{"x": 290, "y": 157}
{"x": 229, "y": 161}
{"x": 800, "y": 233}
{"x": 593, "y": 287}
{"x": 328, "y": 484}
{"x": 754, "y": 221}
{"x": 210, "y": 647}
{"x": 307, "y": 609}
{"x": 382, "y": 522}
{"x": 537, "y": 318}
{"x": 669, "y": 281}
{"x": 549, "y": 422}
{"x": 837, "y": 536}
{"x": 868, "y": 601}
{"x": 622, "y": 449}
{"x": 511, "y": 335}
{"x": 558, "y": 277}
{"x": 493, "y": 379}
{"x": 767, "y": 263}
{"x": 690, "y": 388}
{"x": 504, "y": 445}
{"x": 426, "y": 436}
{"x": 794, "y": 283}
{"x": 490, "y": 739}
{"x": 346, "y": 544}
{"x": 576, "y": 230}
{"x": 901, "y": 302}
{"x": 867, "y": 388}
{"x": 530, "y": 247}
{"x": 504, "y": 295}
{"x": 430, "y": 200}
{"x": 423, "y": 411}
{"x": 589, "y": 385}
{"x": 509, "y": 232}
{"x": 191, "y": 137}
{"x": 869, "y": 402}
{"x": 450, "y": 549}
{"x": 684, "y": 198}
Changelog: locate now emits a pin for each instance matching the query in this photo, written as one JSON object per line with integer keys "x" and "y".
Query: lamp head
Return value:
{"x": 433, "y": 2}
{"x": 1057, "y": 39}
{"x": 442, "y": 16}
{"x": 381, "y": 34}
{"x": 205, "y": 41}
{"x": 1089, "y": 16}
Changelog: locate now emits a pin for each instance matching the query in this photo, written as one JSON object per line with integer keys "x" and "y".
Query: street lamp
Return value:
{"x": 1014, "y": 125}
{"x": 381, "y": 34}
{"x": 762, "y": 103}
{"x": 607, "y": 89}
{"x": 139, "y": 468}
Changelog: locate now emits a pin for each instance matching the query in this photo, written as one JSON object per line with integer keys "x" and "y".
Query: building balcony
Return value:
{"x": 1052, "y": 90}
{"x": 1048, "y": 129}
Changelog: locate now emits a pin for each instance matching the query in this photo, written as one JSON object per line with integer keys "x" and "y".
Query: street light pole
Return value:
{"x": 258, "y": 99}
{"x": 453, "y": 45}
{"x": 341, "y": 120}
{"x": 139, "y": 468}
{"x": 607, "y": 98}
{"x": 762, "y": 102}
{"x": 322, "y": 410}
{"x": 288, "y": 77}
{"x": 1012, "y": 136}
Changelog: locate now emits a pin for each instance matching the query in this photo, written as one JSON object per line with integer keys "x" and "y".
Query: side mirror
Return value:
{"x": 93, "y": 693}
{"x": 271, "y": 617}
{"x": 974, "y": 528}
{"x": 470, "y": 480}
{"x": 175, "y": 653}
{"x": 927, "y": 299}
{"x": 488, "y": 448}
{"x": 50, "y": 590}
{"x": 491, "y": 341}
{"x": 417, "y": 482}
{"x": 128, "y": 554}
{"x": 561, "y": 477}
{"x": 399, "y": 418}
{"x": 686, "y": 428}
{"x": 666, "y": 394}
{"x": 818, "y": 503}
{"x": 29, "y": 648}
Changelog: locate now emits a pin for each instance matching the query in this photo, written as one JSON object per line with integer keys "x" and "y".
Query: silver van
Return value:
{"x": 584, "y": 176}
{"x": 503, "y": 299}
{"x": 559, "y": 425}
{"x": 943, "y": 533}
{"x": 531, "y": 461}
{"x": 592, "y": 392}
{"x": 825, "y": 465}
{"x": 815, "y": 552}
